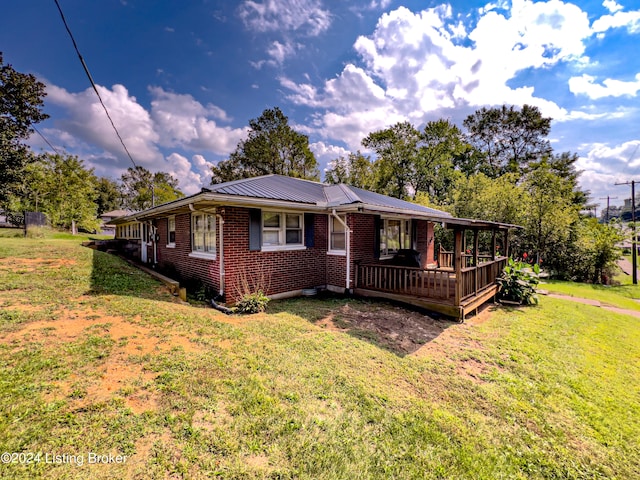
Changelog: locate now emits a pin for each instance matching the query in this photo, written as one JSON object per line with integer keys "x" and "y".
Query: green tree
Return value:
{"x": 64, "y": 189}
{"x": 506, "y": 139}
{"x": 355, "y": 170}
{"x": 595, "y": 254}
{"x": 109, "y": 197}
{"x": 142, "y": 189}
{"x": 271, "y": 146}
{"x": 550, "y": 216}
{"x": 21, "y": 101}
{"x": 484, "y": 198}
{"x": 396, "y": 149}
{"x": 441, "y": 143}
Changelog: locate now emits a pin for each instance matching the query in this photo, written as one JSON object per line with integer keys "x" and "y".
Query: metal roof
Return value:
{"x": 371, "y": 198}
{"x": 289, "y": 192}
{"x": 275, "y": 187}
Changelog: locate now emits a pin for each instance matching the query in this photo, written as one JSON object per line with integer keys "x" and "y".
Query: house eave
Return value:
{"x": 209, "y": 200}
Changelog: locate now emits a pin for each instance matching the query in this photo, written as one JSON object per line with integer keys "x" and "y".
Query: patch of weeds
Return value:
{"x": 93, "y": 349}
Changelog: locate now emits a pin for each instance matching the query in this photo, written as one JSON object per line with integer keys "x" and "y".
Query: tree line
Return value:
{"x": 499, "y": 166}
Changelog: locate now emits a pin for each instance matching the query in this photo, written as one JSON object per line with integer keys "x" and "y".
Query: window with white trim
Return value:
{"x": 203, "y": 233}
{"x": 337, "y": 233}
{"x": 282, "y": 229}
{"x": 395, "y": 234}
{"x": 171, "y": 230}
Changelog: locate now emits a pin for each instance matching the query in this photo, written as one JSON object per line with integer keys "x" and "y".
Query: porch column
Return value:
{"x": 475, "y": 260}
{"x": 493, "y": 244}
{"x": 506, "y": 243}
{"x": 457, "y": 262}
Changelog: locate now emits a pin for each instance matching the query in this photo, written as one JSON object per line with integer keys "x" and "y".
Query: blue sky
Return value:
{"x": 182, "y": 79}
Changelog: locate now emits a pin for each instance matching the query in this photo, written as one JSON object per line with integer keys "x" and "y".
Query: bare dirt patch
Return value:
{"x": 120, "y": 374}
{"x": 31, "y": 264}
{"x": 395, "y": 328}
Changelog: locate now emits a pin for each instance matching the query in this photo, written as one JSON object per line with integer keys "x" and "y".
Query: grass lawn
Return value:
{"x": 97, "y": 357}
{"x": 625, "y": 295}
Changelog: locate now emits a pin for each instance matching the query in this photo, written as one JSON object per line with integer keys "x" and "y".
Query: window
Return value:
{"x": 337, "y": 234}
{"x": 203, "y": 233}
{"x": 395, "y": 234}
{"x": 171, "y": 229}
{"x": 281, "y": 229}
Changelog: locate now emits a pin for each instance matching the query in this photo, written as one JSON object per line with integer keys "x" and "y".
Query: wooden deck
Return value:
{"x": 452, "y": 292}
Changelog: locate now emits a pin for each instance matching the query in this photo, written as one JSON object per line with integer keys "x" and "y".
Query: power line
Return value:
{"x": 46, "y": 141}
{"x": 95, "y": 89}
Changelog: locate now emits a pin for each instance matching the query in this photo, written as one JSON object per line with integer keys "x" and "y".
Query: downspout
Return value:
{"x": 222, "y": 275}
{"x": 347, "y": 232}
{"x": 154, "y": 240}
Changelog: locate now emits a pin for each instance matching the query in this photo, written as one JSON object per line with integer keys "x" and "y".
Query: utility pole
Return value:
{"x": 608, "y": 198}
{"x": 634, "y": 253}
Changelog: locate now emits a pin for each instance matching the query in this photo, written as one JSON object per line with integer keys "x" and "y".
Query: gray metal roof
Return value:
{"x": 307, "y": 194}
{"x": 275, "y": 187}
{"x": 278, "y": 187}
{"x": 371, "y": 198}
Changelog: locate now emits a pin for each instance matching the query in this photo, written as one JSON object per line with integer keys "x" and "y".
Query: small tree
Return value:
{"x": 61, "y": 187}
{"x": 272, "y": 146}
{"x": 595, "y": 251}
{"x": 355, "y": 170}
{"x": 142, "y": 189}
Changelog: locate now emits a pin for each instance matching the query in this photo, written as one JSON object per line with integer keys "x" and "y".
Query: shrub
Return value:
{"x": 518, "y": 283}
{"x": 252, "y": 303}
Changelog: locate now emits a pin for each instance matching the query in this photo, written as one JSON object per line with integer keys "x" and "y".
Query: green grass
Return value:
{"x": 532, "y": 393}
{"x": 624, "y": 295}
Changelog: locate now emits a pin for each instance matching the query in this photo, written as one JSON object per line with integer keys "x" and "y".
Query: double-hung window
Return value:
{"x": 337, "y": 235}
{"x": 171, "y": 231}
{"x": 395, "y": 234}
{"x": 203, "y": 234}
{"x": 282, "y": 230}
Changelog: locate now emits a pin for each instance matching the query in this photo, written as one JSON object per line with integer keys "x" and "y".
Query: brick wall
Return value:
{"x": 177, "y": 259}
{"x": 425, "y": 242}
{"x": 277, "y": 272}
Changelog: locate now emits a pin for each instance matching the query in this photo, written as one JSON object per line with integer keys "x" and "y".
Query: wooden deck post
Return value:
{"x": 475, "y": 261}
{"x": 506, "y": 243}
{"x": 457, "y": 260}
{"x": 493, "y": 244}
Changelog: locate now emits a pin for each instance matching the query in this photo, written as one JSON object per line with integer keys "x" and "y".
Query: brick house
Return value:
{"x": 284, "y": 235}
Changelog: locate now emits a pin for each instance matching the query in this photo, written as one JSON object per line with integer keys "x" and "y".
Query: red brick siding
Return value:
{"x": 278, "y": 272}
{"x": 189, "y": 268}
{"x": 425, "y": 242}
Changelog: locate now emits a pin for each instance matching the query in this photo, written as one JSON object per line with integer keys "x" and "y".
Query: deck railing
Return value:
{"x": 438, "y": 284}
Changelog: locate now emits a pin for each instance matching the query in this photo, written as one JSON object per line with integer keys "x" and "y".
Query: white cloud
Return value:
{"x": 88, "y": 121}
{"x": 183, "y": 121}
{"x": 305, "y": 16}
{"x": 586, "y": 85}
{"x": 326, "y": 153}
{"x": 415, "y": 65}
{"x": 628, "y": 20}
{"x": 181, "y": 168}
{"x": 603, "y": 166}
{"x": 175, "y": 120}
{"x": 611, "y": 5}
{"x": 280, "y": 51}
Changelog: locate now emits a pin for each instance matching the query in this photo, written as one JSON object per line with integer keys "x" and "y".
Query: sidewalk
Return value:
{"x": 626, "y": 266}
{"x": 595, "y": 303}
